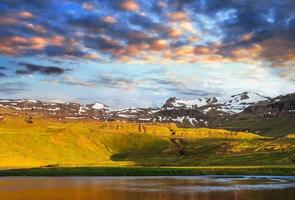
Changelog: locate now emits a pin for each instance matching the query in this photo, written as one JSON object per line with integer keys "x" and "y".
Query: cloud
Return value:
{"x": 25, "y": 15}
{"x": 8, "y": 88}
{"x": 106, "y": 80}
{"x": 77, "y": 82}
{"x": 178, "y": 16}
{"x": 163, "y": 31}
{"x": 18, "y": 45}
{"x": 103, "y": 43}
{"x": 174, "y": 32}
{"x": 197, "y": 93}
{"x": 110, "y": 19}
{"x": 158, "y": 45}
{"x": 129, "y": 5}
{"x": 45, "y": 70}
{"x": 144, "y": 21}
{"x": 103, "y": 80}
{"x": 88, "y": 6}
{"x": 36, "y": 28}
{"x": 266, "y": 23}
{"x": 6, "y": 20}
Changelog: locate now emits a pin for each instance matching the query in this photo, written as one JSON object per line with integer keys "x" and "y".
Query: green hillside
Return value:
{"x": 274, "y": 127}
{"x": 49, "y": 142}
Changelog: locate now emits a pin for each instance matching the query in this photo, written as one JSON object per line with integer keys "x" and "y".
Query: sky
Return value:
{"x": 141, "y": 52}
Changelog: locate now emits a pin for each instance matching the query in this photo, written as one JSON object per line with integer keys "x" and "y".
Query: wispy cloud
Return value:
{"x": 77, "y": 82}
{"x": 45, "y": 70}
{"x": 8, "y": 88}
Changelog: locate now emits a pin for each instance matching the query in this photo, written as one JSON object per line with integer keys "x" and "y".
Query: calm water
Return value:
{"x": 148, "y": 188}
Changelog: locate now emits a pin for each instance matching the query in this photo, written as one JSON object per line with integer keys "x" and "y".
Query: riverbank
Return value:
{"x": 152, "y": 171}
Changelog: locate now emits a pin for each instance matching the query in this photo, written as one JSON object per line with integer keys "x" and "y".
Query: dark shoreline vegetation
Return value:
{"x": 152, "y": 171}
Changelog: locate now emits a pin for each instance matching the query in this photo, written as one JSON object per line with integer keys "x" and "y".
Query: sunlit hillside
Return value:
{"x": 37, "y": 141}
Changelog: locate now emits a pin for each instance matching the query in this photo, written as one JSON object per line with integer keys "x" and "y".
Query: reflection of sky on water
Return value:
{"x": 148, "y": 188}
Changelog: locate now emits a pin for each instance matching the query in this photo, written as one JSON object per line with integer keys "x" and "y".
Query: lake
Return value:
{"x": 148, "y": 188}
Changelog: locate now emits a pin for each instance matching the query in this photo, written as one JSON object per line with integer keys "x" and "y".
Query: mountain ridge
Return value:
{"x": 236, "y": 112}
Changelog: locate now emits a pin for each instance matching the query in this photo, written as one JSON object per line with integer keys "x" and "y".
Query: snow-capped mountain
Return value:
{"x": 99, "y": 106}
{"x": 60, "y": 110}
{"x": 233, "y": 104}
{"x": 134, "y": 114}
{"x": 210, "y": 111}
{"x": 175, "y": 103}
{"x": 237, "y": 103}
{"x": 201, "y": 112}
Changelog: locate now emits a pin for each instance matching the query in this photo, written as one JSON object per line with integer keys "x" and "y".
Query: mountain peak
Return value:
{"x": 99, "y": 106}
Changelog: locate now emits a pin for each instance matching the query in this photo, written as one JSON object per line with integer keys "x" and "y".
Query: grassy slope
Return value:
{"x": 275, "y": 127}
{"x": 89, "y": 143}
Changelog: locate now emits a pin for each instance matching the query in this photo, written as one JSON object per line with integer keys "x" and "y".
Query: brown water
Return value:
{"x": 148, "y": 188}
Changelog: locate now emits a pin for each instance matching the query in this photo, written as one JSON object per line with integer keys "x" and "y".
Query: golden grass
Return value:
{"x": 291, "y": 136}
{"x": 203, "y": 133}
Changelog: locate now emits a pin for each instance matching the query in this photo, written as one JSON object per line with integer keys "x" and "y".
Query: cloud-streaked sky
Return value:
{"x": 140, "y": 52}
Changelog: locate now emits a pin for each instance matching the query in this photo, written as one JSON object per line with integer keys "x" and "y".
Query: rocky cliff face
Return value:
{"x": 277, "y": 107}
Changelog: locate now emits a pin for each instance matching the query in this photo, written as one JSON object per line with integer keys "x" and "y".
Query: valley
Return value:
{"x": 49, "y": 142}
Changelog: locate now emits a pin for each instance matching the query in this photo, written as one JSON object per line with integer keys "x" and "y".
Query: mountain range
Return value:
{"x": 246, "y": 111}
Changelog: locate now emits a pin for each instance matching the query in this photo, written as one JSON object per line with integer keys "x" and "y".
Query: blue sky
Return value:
{"x": 139, "y": 53}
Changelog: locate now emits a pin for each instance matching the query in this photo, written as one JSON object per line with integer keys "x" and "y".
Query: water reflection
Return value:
{"x": 147, "y": 188}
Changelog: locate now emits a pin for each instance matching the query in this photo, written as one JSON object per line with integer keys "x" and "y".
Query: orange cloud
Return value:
{"x": 7, "y": 50}
{"x": 88, "y": 6}
{"x": 193, "y": 38}
{"x": 39, "y": 43}
{"x": 248, "y": 55}
{"x": 278, "y": 50}
{"x": 174, "y": 33}
{"x": 17, "y": 39}
{"x": 4, "y": 20}
{"x": 183, "y": 51}
{"x": 25, "y": 14}
{"x": 16, "y": 45}
{"x": 92, "y": 56}
{"x": 132, "y": 49}
{"x": 36, "y": 28}
{"x": 178, "y": 16}
{"x": 162, "y": 4}
{"x": 12, "y": 45}
{"x": 204, "y": 50}
{"x": 123, "y": 59}
{"x": 158, "y": 45}
{"x": 139, "y": 47}
{"x": 188, "y": 26}
{"x": 56, "y": 40}
{"x": 247, "y": 37}
{"x": 109, "y": 19}
{"x": 129, "y": 5}
{"x": 213, "y": 58}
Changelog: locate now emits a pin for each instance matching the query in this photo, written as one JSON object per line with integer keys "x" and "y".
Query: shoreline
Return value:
{"x": 153, "y": 171}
